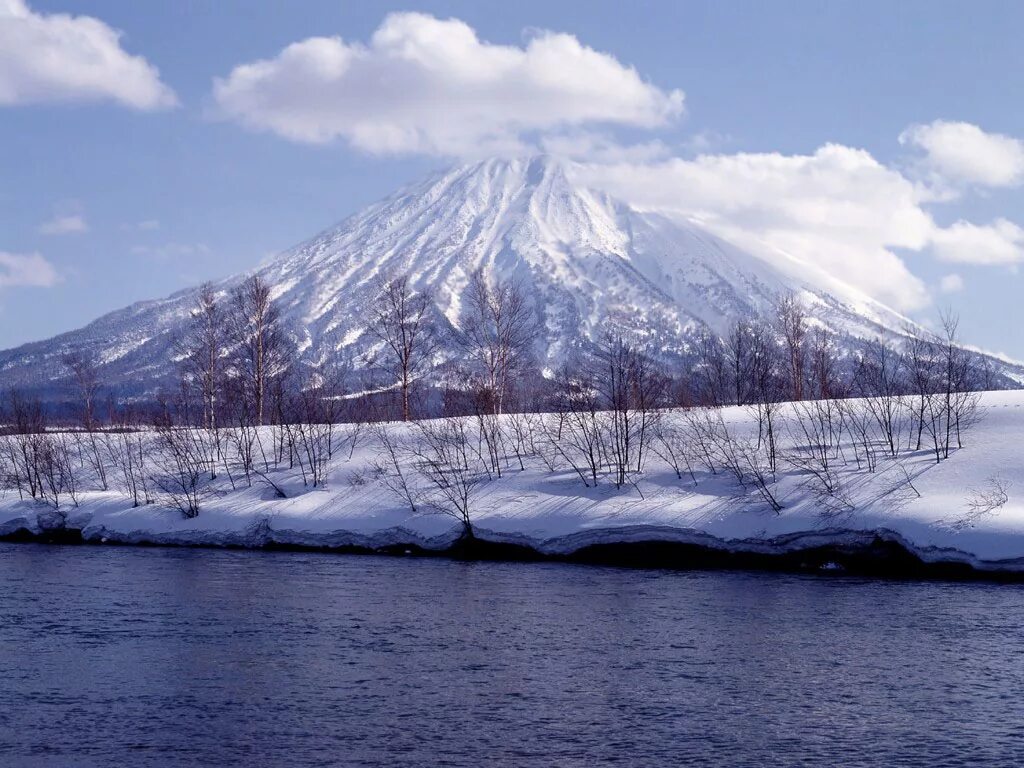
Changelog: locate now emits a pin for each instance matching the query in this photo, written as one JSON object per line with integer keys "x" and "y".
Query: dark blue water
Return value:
{"x": 175, "y": 657}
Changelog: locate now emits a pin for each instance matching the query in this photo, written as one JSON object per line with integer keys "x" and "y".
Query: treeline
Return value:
{"x": 248, "y": 406}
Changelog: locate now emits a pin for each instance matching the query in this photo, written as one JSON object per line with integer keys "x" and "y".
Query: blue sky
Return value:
{"x": 111, "y": 194}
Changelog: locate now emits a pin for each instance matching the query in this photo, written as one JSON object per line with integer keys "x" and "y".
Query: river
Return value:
{"x": 132, "y": 656}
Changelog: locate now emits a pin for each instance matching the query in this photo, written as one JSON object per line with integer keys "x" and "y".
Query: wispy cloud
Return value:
{"x": 72, "y": 224}
{"x": 148, "y": 225}
{"x": 26, "y": 269}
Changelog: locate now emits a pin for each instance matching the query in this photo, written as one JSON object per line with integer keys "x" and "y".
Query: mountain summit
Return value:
{"x": 583, "y": 258}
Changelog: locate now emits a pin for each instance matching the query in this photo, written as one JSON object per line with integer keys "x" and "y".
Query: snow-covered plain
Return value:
{"x": 553, "y": 512}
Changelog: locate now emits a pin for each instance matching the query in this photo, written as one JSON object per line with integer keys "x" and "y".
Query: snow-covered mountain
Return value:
{"x": 583, "y": 257}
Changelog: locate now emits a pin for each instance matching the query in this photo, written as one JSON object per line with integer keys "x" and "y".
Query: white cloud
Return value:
{"x": 73, "y": 224}
{"x": 998, "y": 243}
{"x": 838, "y": 209}
{"x": 429, "y": 85}
{"x": 47, "y": 58}
{"x": 951, "y": 283}
{"x": 26, "y": 270}
{"x": 964, "y": 153}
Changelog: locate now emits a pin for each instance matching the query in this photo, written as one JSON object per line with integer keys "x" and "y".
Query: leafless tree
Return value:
{"x": 126, "y": 451}
{"x": 84, "y": 369}
{"x": 391, "y": 465}
{"x": 743, "y": 458}
{"x": 739, "y": 344}
{"x": 575, "y": 431}
{"x": 922, "y": 374}
{"x": 25, "y": 422}
{"x": 862, "y": 426}
{"x": 984, "y": 501}
{"x": 91, "y": 448}
{"x": 316, "y": 410}
{"x": 792, "y": 322}
{"x": 180, "y": 464}
{"x": 765, "y": 387}
{"x": 523, "y": 428}
{"x": 498, "y": 329}
{"x": 203, "y": 348}
{"x": 816, "y": 431}
{"x": 262, "y": 348}
{"x": 671, "y": 446}
{"x": 630, "y": 390}
{"x": 701, "y": 432}
{"x": 443, "y": 458}
{"x": 879, "y": 379}
{"x": 400, "y": 320}
{"x": 960, "y": 401}
{"x": 711, "y": 370}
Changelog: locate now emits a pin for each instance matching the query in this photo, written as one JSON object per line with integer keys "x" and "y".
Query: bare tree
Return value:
{"x": 958, "y": 377}
{"x": 180, "y": 464}
{"x": 922, "y": 369}
{"x": 84, "y": 369}
{"x": 390, "y": 465}
{"x": 984, "y": 501}
{"x": 792, "y": 321}
{"x": 879, "y": 379}
{"x": 576, "y": 433}
{"x": 711, "y": 369}
{"x": 498, "y": 328}
{"x": 443, "y": 457}
{"x": 262, "y": 348}
{"x": 126, "y": 451}
{"x": 671, "y": 446}
{"x": 203, "y": 352}
{"x": 316, "y": 408}
{"x": 741, "y": 457}
{"x": 765, "y": 387}
{"x": 400, "y": 319}
{"x": 26, "y": 424}
{"x": 739, "y": 349}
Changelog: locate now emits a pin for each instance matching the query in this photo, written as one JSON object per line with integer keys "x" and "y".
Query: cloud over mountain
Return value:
{"x": 432, "y": 86}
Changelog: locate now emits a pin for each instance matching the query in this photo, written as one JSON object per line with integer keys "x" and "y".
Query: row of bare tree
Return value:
{"x": 247, "y": 407}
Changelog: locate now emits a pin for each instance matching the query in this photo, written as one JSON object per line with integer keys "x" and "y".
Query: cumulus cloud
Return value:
{"x": 30, "y": 269}
{"x": 838, "y": 210}
{"x": 48, "y": 58}
{"x": 429, "y": 85}
{"x": 998, "y": 243}
{"x": 963, "y": 153}
{"x": 74, "y": 224}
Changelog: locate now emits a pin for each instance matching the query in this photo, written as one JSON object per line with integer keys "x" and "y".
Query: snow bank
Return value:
{"x": 554, "y": 513}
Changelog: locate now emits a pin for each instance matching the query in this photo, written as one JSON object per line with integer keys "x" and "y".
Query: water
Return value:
{"x": 112, "y": 656}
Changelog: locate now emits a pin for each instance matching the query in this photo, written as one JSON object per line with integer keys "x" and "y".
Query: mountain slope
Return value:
{"x": 582, "y": 256}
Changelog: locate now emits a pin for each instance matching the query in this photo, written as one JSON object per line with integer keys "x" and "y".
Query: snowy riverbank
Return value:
{"x": 929, "y": 509}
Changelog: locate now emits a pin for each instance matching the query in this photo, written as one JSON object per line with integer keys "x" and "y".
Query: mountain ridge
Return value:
{"x": 584, "y": 258}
